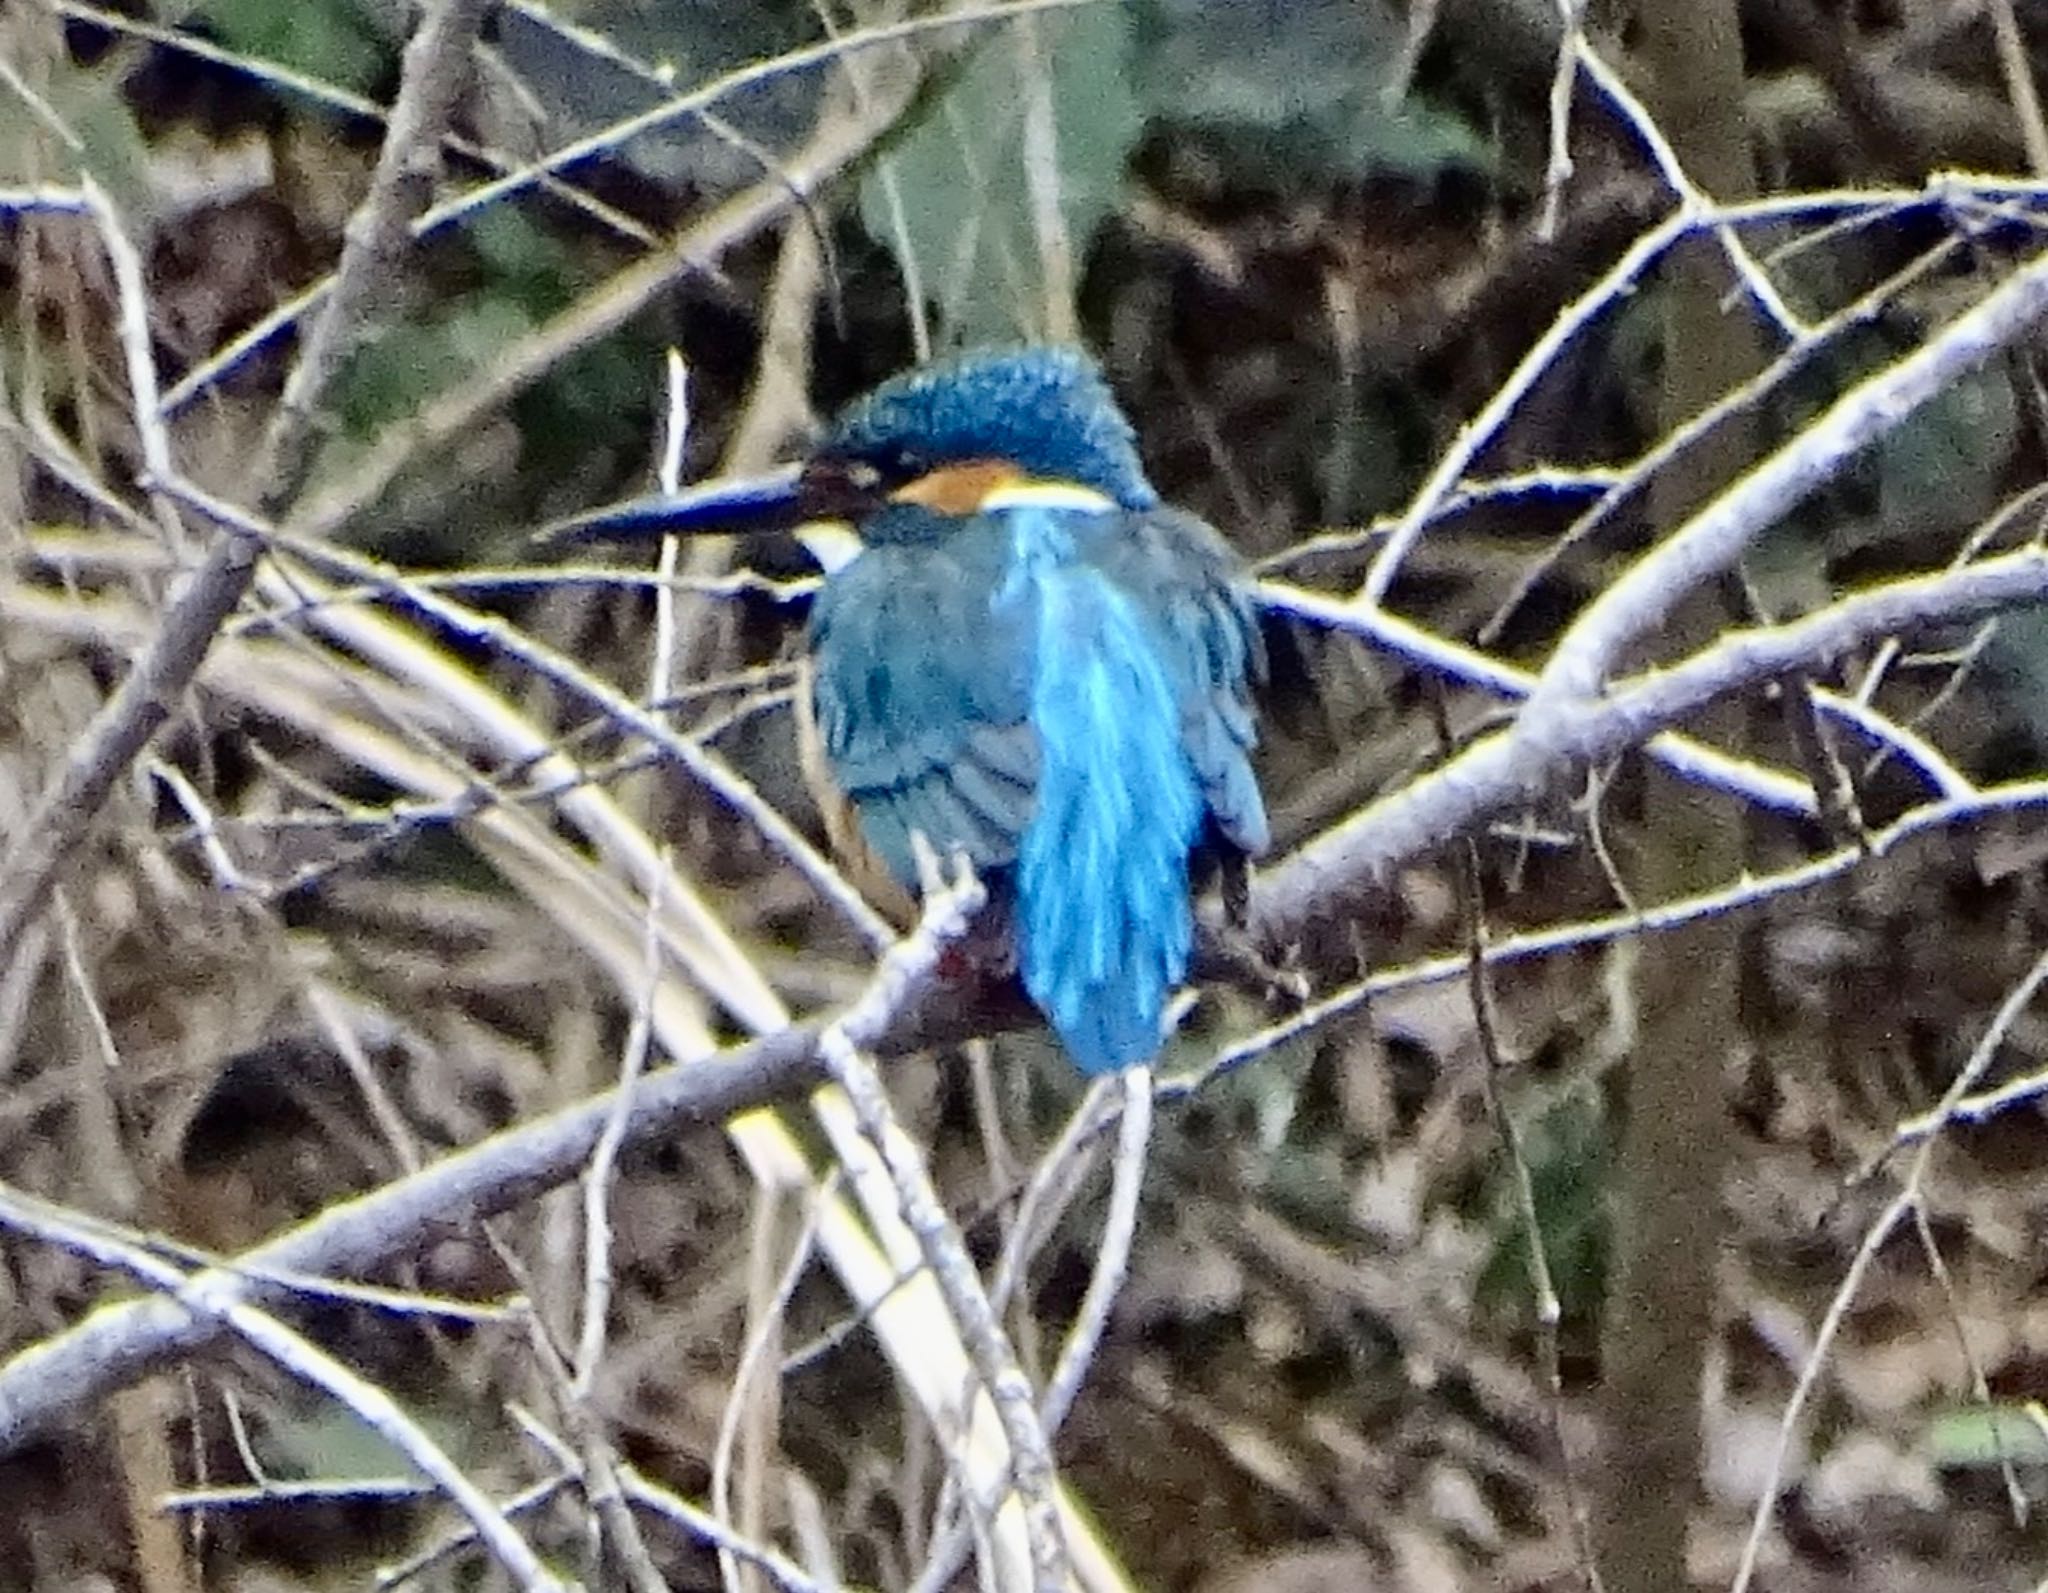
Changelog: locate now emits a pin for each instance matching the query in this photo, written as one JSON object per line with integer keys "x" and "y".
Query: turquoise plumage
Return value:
{"x": 1032, "y": 662}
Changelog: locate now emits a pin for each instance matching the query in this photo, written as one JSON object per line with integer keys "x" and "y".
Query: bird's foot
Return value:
{"x": 1231, "y": 954}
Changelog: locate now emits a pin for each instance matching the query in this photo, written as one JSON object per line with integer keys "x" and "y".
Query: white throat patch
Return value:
{"x": 833, "y": 543}
{"x": 1049, "y": 495}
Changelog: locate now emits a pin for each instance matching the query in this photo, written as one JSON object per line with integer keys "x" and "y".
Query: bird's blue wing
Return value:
{"x": 921, "y": 688}
{"x": 1064, "y": 695}
{"x": 1104, "y": 921}
{"x": 1187, "y": 584}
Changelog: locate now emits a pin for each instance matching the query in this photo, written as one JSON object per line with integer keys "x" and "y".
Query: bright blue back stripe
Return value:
{"x": 1105, "y": 926}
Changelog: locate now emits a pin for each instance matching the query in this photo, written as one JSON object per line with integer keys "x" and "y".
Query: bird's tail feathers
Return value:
{"x": 1104, "y": 921}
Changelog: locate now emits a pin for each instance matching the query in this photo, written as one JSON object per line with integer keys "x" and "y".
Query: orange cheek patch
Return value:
{"x": 959, "y": 489}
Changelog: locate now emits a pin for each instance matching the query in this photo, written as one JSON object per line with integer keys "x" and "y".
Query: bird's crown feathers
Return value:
{"x": 1045, "y": 410}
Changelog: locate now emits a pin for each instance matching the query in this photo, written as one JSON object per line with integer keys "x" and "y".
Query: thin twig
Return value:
{"x": 2028, "y": 796}
{"x": 675, "y": 437}
{"x": 1040, "y": 155}
{"x": 1747, "y": 398}
{"x": 1493, "y": 1077}
{"x": 622, "y": 1555}
{"x": 1112, "y": 1259}
{"x": 318, "y": 91}
{"x": 1566, "y": 719}
{"x": 604, "y": 1161}
{"x": 762, "y": 1342}
{"x": 1710, "y": 542}
{"x": 418, "y": 1565}
{"x": 1980, "y": 1384}
{"x": 702, "y": 1527}
{"x": 945, "y": 919}
{"x": 1557, "y": 171}
{"x": 436, "y": 61}
{"x": 699, "y": 761}
{"x": 1055, "y": 1183}
{"x": 1691, "y": 760}
{"x": 1612, "y": 288}
{"x": 1902, "y": 1205}
{"x": 1692, "y": 201}
{"x": 300, "y": 1357}
{"x": 2018, "y": 68}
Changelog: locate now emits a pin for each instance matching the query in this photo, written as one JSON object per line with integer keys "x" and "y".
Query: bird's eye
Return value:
{"x": 841, "y": 483}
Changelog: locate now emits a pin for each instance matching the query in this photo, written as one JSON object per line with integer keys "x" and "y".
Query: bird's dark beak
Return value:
{"x": 736, "y": 507}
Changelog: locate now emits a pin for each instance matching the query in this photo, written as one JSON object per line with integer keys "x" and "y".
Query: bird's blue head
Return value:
{"x": 933, "y": 439}
{"x": 1044, "y": 412}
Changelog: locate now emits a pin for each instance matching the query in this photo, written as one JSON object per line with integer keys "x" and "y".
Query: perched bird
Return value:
{"x": 1031, "y": 660}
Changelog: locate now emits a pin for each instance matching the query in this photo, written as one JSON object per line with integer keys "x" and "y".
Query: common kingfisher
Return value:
{"x": 1031, "y": 661}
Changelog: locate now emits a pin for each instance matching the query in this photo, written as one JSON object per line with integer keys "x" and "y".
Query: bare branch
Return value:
{"x": 119, "y": 1343}
{"x": 1533, "y": 755}
{"x": 436, "y": 62}
{"x": 216, "y": 1298}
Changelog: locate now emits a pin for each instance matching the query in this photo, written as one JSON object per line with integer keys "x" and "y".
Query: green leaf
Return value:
{"x": 1931, "y": 471}
{"x": 400, "y": 366}
{"x": 89, "y": 101}
{"x": 580, "y": 91}
{"x": 329, "y": 39}
{"x": 1985, "y": 1436}
{"x": 1570, "y": 1158}
{"x": 966, "y": 207}
{"x": 521, "y": 260}
{"x": 331, "y": 1445}
{"x": 1295, "y": 90}
{"x": 2018, "y": 660}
